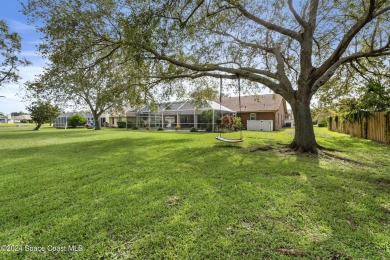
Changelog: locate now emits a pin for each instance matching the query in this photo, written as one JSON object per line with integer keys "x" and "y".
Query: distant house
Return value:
{"x": 112, "y": 117}
{"x": 5, "y": 119}
{"x": 21, "y": 118}
{"x": 63, "y": 119}
{"x": 267, "y": 107}
{"x": 107, "y": 119}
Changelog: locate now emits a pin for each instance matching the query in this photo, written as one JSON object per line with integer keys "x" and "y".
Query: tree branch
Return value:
{"x": 207, "y": 71}
{"x": 262, "y": 72}
{"x": 244, "y": 43}
{"x": 348, "y": 37}
{"x": 384, "y": 51}
{"x": 275, "y": 51}
{"x": 281, "y": 72}
{"x": 182, "y": 24}
{"x": 9, "y": 74}
{"x": 268, "y": 25}
{"x": 313, "y": 14}
{"x": 296, "y": 15}
{"x": 382, "y": 11}
{"x": 358, "y": 70}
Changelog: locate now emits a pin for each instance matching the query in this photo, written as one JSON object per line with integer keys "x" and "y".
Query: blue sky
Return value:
{"x": 17, "y": 22}
{"x": 10, "y": 12}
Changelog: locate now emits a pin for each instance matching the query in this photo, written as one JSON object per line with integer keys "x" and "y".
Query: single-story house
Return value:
{"x": 112, "y": 117}
{"x": 266, "y": 107}
{"x": 6, "y": 119}
{"x": 18, "y": 119}
{"x": 107, "y": 119}
{"x": 63, "y": 119}
{"x": 186, "y": 114}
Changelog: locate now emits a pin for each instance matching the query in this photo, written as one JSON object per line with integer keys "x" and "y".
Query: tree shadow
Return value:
{"x": 132, "y": 195}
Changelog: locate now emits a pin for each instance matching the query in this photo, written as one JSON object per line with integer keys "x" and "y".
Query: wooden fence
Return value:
{"x": 375, "y": 127}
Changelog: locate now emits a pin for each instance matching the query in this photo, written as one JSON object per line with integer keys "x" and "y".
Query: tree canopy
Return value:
{"x": 17, "y": 113}
{"x": 292, "y": 47}
{"x": 374, "y": 95}
{"x": 43, "y": 112}
{"x": 107, "y": 85}
{"x": 10, "y": 48}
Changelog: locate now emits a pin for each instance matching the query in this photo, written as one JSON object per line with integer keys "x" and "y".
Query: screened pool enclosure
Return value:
{"x": 62, "y": 120}
{"x": 185, "y": 114}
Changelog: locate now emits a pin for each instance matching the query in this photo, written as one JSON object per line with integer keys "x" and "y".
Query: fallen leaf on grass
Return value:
{"x": 287, "y": 251}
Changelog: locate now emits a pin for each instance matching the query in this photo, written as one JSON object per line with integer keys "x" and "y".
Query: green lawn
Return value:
{"x": 135, "y": 194}
{"x": 17, "y": 125}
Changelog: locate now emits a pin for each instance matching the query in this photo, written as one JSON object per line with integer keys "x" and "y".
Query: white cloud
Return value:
{"x": 36, "y": 42}
{"x": 12, "y": 92}
{"x": 11, "y": 104}
{"x": 29, "y": 54}
{"x": 19, "y": 26}
{"x": 29, "y": 72}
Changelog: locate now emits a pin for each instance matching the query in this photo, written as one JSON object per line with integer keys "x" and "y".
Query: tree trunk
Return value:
{"x": 37, "y": 126}
{"x": 304, "y": 139}
{"x": 97, "y": 122}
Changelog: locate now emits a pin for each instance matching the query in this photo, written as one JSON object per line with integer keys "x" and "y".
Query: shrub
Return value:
{"x": 323, "y": 123}
{"x": 160, "y": 129}
{"x": 135, "y": 128}
{"x": 178, "y": 127}
{"x": 23, "y": 121}
{"x": 121, "y": 124}
{"x": 194, "y": 129}
{"x": 237, "y": 125}
{"x": 226, "y": 122}
{"x": 77, "y": 120}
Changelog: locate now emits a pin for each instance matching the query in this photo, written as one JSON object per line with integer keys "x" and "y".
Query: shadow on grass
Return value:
{"x": 154, "y": 198}
{"x": 44, "y": 133}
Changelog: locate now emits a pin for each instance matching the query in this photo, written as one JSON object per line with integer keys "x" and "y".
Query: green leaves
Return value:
{"x": 10, "y": 48}
{"x": 376, "y": 95}
{"x": 43, "y": 112}
{"x": 202, "y": 94}
{"x": 77, "y": 120}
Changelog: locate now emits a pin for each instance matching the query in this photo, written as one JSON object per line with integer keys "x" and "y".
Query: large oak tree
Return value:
{"x": 291, "y": 47}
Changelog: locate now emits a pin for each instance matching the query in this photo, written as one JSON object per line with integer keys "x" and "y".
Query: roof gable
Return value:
{"x": 188, "y": 105}
{"x": 256, "y": 103}
{"x": 22, "y": 117}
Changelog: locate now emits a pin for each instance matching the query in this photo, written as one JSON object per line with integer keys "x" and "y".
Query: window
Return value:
{"x": 252, "y": 116}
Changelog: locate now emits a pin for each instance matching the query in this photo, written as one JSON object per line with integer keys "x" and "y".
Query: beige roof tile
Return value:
{"x": 22, "y": 117}
{"x": 256, "y": 103}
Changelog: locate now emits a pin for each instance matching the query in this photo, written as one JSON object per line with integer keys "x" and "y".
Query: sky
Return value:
{"x": 17, "y": 22}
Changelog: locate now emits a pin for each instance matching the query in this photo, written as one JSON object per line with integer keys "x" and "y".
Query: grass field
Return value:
{"x": 114, "y": 193}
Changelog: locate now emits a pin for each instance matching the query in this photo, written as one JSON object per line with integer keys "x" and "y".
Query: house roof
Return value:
{"x": 86, "y": 115}
{"x": 8, "y": 117}
{"x": 257, "y": 103}
{"x": 22, "y": 117}
{"x": 181, "y": 106}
